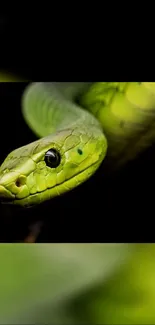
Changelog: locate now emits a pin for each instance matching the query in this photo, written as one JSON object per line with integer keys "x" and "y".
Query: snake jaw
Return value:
{"x": 56, "y": 190}
{"x": 5, "y": 193}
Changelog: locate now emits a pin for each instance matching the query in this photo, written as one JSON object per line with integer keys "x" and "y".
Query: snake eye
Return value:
{"x": 52, "y": 158}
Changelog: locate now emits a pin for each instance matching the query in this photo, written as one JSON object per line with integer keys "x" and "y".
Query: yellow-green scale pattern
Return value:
{"x": 126, "y": 111}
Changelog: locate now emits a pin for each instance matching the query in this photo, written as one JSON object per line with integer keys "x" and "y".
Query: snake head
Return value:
{"x": 50, "y": 166}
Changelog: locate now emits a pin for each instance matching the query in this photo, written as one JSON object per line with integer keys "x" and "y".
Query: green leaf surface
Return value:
{"x": 37, "y": 280}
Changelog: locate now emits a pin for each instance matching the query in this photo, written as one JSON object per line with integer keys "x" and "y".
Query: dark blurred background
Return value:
{"x": 116, "y": 208}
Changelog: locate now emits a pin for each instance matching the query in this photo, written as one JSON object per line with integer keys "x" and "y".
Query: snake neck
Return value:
{"x": 51, "y": 107}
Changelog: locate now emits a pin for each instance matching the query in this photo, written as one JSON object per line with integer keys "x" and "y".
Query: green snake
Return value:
{"x": 79, "y": 125}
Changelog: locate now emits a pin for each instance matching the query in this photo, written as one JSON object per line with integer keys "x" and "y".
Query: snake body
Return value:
{"x": 79, "y": 124}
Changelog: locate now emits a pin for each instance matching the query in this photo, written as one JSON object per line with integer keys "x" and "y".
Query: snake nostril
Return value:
{"x": 20, "y": 181}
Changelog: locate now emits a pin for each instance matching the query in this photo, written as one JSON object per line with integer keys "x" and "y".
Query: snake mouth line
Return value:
{"x": 20, "y": 200}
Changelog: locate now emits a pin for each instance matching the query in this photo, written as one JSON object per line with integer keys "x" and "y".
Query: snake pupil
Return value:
{"x": 52, "y": 158}
{"x": 80, "y": 151}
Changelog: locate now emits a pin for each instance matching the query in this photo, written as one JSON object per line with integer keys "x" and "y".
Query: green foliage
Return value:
{"x": 38, "y": 282}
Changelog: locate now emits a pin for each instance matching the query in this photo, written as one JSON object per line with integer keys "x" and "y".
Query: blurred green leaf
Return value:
{"x": 127, "y": 297}
{"x": 35, "y": 276}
